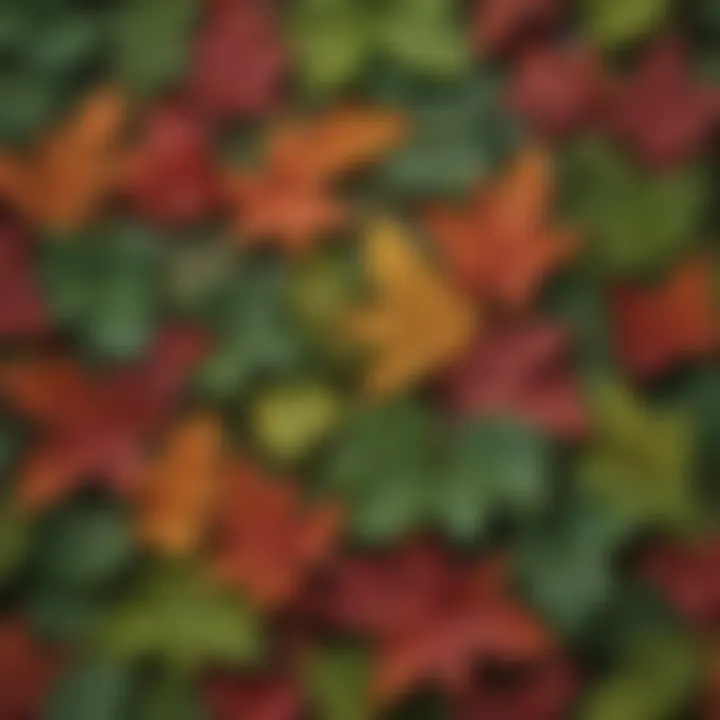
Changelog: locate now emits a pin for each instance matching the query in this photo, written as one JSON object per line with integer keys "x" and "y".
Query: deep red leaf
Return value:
{"x": 264, "y": 698}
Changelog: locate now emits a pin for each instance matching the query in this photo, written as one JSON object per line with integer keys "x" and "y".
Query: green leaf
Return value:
{"x": 16, "y": 530}
{"x": 615, "y": 23}
{"x": 495, "y": 470}
{"x": 152, "y": 42}
{"x": 634, "y": 221}
{"x": 338, "y": 684}
{"x": 168, "y": 696}
{"x": 177, "y": 617}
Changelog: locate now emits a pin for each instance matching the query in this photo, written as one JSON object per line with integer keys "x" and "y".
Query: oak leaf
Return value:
{"x": 62, "y": 184}
{"x": 417, "y": 322}
{"x": 499, "y": 246}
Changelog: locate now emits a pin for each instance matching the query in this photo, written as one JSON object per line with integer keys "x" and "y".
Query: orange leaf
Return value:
{"x": 290, "y": 202}
{"x": 181, "y": 488}
{"x": 62, "y": 184}
{"x": 499, "y": 247}
{"x": 268, "y": 542}
{"x": 417, "y": 323}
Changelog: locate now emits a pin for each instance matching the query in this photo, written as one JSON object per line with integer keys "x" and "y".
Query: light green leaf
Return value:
{"x": 615, "y": 23}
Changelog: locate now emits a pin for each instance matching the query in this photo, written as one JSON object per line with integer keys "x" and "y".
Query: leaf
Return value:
{"x": 95, "y": 428}
{"x": 271, "y": 697}
{"x": 178, "y": 618}
{"x": 430, "y": 619}
{"x": 615, "y": 23}
{"x": 634, "y": 221}
{"x": 499, "y": 24}
{"x": 407, "y": 288}
{"x": 151, "y": 43}
{"x": 661, "y": 326}
{"x": 559, "y": 91}
{"x": 290, "y": 421}
{"x": 660, "y": 113}
{"x": 169, "y": 177}
{"x": 16, "y": 531}
{"x": 505, "y": 222}
{"x": 65, "y": 180}
{"x": 639, "y": 463}
{"x": 523, "y": 372}
{"x": 290, "y": 202}
{"x": 182, "y": 487}
{"x": 239, "y": 62}
{"x": 268, "y": 543}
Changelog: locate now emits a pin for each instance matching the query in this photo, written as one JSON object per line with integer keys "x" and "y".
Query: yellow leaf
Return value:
{"x": 417, "y": 323}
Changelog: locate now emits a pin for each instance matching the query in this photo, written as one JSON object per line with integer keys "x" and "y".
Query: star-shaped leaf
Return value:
{"x": 417, "y": 322}
{"x": 500, "y": 246}
{"x": 62, "y": 183}
{"x": 523, "y": 372}
{"x": 658, "y": 327}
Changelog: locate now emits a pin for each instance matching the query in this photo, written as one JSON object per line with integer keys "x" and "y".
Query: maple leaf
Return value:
{"x": 558, "y": 90}
{"x": 657, "y": 328}
{"x": 290, "y": 201}
{"x": 498, "y": 247}
{"x": 267, "y": 543}
{"x": 661, "y": 113}
{"x": 430, "y": 618}
{"x": 63, "y": 182}
{"x": 27, "y": 670}
{"x": 182, "y": 487}
{"x": 95, "y": 428}
{"x": 260, "y": 698}
{"x": 417, "y": 323}
{"x": 522, "y": 371}
{"x": 498, "y": 24}
{"x": 240, "y": 60}
{"x": 22, "y": 310}
{"x": 688, "y": 574}
{"x": 169, "y": 175}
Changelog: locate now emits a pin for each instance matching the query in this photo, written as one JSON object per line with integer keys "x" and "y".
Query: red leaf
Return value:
{"x": 660, "y": 112}
{"x": 558, "y": 90}
{"x": 499, "y": 24}
{"x": 95, "y": 428}
{"x": 170, "y": 176}
{"x": 268, "y": 542}
{"x": 27, "y": 670}
{"x": 240, "y": 60}
{"x": 523, "y": 371}
{"x": 22, "y": 310}
{"x": 689, "y": 576}
{"x": 264, "y": 698}
{"x": 430, "y": 617}
{"x": 657, "y": 328}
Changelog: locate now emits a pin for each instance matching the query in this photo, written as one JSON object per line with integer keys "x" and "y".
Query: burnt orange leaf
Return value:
{"x": 62, "y": 184}
{"x": 500, "y": 246}
{"x": 267, "y": 541}
{"x": 290, "y": 202}
{"x": 657, "y": 328}
{"x": 94, "y": 428}
{"x": 417, "y": 322}
{"x": 181, "y": 488}
{"x": 430, "y": 617}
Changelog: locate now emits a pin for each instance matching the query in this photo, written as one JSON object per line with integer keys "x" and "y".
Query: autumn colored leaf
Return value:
{"x": 182, "y": 487}
{"x": 290, "y": 201}
{"x": 558, "y": 90}
{"x": 267, "y": 543}
{"x": 169, "y": 176}
{"x": 94, "y": 429}
{"x": 23, "y": 312}
{"x": 499, "y": 247}
{"x": 431, "y": 618}
{"x": 260, "y": 698}
{"x": 661, "y": 113}
{"x": 498, "y": 24}
{"x": 659, "y": 327}
{"x": 27, "y": 670}
{"x": 417, "y": 323}
{"x": 523, "y": 371}
{"x": 62, "y": 183}
{"x": 240, "y": 60}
